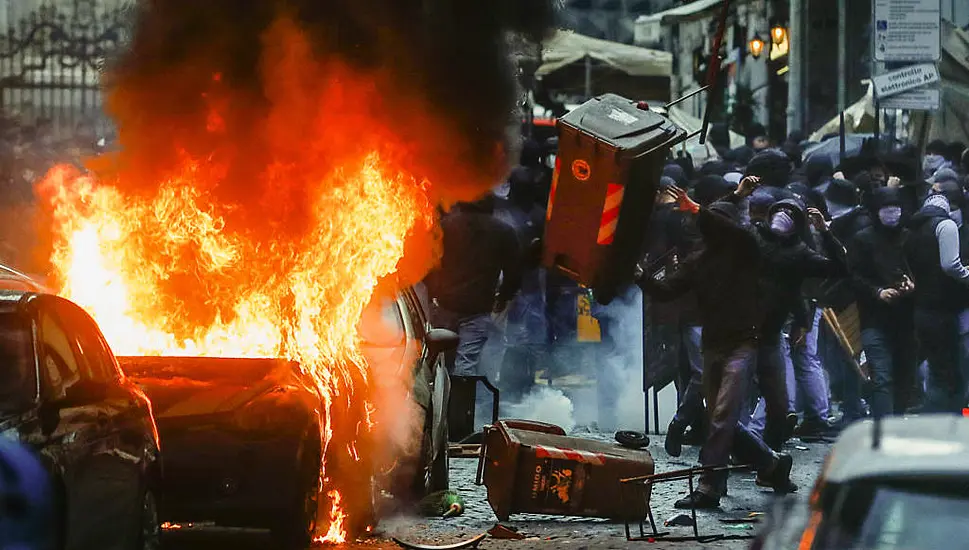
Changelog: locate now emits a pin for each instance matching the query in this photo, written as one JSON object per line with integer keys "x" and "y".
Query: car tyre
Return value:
{"x": 440, "y": 468}
{"x": 149, "y": 533}
{"x": 431, "y": 472}
{"x": 297, "y": 525}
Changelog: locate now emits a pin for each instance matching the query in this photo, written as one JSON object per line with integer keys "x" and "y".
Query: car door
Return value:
{"x": 132, "y": 457}
{"x": 98, "y": 480}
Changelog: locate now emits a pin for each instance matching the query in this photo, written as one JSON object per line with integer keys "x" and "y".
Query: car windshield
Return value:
{"x": 914, "y": 515}
{"x": 16, "y": 362}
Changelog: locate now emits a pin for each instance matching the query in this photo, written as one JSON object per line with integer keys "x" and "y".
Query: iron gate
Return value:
{"x": 51, "y": 61}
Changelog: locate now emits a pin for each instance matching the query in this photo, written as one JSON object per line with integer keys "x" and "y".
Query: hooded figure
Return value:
{"x": 818, "y": 170}
{"x": 941, "y": 299}
{"x": 724, "y": 274}
{"x": 847, "y": 216}
{"x": 677, "y": 174}
{"x": 787, "y": 261}
{"x": 882, "y": 282}
{"x": 935, "y": 158}
{"x": 773, "y": 167}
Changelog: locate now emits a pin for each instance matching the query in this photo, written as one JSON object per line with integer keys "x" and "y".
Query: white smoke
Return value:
{"x": 615, "y": 367}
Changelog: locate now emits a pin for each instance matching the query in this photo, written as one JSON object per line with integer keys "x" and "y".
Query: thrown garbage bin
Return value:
{"x": 610, "y": 158}
{"x": 534, "y": 468}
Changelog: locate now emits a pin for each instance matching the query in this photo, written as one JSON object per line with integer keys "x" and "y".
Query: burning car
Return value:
{"x": 243, "y": 439}
{"x": 64, "y": 396}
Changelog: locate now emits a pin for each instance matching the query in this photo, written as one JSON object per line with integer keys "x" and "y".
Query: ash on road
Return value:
{"x": 551, "y": 531}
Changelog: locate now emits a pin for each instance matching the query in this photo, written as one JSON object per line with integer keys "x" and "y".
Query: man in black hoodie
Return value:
{"x": 788, "y": 261}
{"x": 724, "y": 275}
{"x": 941, "y": 286}
{"x": 881, "y": 278}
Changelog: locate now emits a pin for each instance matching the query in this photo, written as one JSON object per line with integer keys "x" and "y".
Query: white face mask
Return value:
{"x": 781, "y": 223}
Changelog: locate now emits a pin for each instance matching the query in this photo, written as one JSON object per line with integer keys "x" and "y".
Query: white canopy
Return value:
{"x": 566, "y": 47}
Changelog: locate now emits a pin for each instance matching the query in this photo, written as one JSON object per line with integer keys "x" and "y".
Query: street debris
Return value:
{"x": 470, "y": 543}
{"x": 752, "y": 517}
{"x": 500, "y": 531}
{"x": 445, "y": 504}
{"x": 632, "y": 440}
{"x": 679, "y": 520}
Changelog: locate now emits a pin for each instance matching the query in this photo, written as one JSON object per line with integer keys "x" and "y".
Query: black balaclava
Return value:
{"x": 771, "y": 166}
{"x": 710, "y": 189}
{"x": 818, "y": 169}
{"x": 886, "y": 205}
{"x": 677, "y": 174}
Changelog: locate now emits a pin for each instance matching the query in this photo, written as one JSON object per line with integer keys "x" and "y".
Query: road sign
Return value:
{"x": 907, "y": 30}
{"x": 905, "y": 79}
{"x": 921, "y": 99}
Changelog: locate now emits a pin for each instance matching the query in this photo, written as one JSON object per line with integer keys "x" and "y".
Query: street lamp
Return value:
{"x": 756, "y": 46}
{"x": 777, "y": 34}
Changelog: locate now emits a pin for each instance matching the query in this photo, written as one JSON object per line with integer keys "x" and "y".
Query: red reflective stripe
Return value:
{"x": 555, "y": 184}
{"x": 610, "y": 214}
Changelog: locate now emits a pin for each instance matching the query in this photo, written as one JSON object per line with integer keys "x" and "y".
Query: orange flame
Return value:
{"x": 268, "y": 244}
{"x": 336, "y": 534}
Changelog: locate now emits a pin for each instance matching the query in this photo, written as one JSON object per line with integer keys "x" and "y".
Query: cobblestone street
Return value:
{"x": 557, "y": 532}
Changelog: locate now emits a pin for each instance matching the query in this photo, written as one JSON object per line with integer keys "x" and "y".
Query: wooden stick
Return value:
{"x": 832, "y": 319}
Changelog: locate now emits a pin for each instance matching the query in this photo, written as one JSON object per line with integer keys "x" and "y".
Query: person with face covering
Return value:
{"x": 724, "y": 274}
{"x": 935, "y": 158}
{"x": 934, "y": 254}
{"x": 675, "y": 331}
{"x": 788, "y": 261}
{"x": 884, "y": 287}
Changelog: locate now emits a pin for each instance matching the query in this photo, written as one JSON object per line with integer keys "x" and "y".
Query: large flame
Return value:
{"x": 178, "y": 270}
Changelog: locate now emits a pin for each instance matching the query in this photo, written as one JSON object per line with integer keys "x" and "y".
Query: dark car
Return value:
{"x": 64, "y": 397}
{"x": 242, "y": 436}
{"x": 903, "y": 484}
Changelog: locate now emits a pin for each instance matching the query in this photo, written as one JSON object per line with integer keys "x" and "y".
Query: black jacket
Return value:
{"x": 723, "y": 273}
{"x": 478, "y": 250}
{"x": 876, "y": 261}
{"x": 788, "y": 261}
{"x": 935, "y": 290}
{"x": 672, "y": 238}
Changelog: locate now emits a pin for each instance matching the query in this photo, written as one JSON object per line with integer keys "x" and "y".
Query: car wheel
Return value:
{"x": 440, "y": 467}
{"x": 431, "y": 472}
{"x": 297, "y": 525}
{"x": 149, "y": 535}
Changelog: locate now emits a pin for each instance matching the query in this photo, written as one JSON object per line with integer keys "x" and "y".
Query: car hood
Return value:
{"x": 188, "y": 387}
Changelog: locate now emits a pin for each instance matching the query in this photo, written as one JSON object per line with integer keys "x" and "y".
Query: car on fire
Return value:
{"x": 241, "y": 437}
{"x": 65, "y": 398}
{"x": 901, "y": 484}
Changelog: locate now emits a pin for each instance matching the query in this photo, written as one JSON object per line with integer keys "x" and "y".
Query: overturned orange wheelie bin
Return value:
{"x": 610, "y": 158}
{"x": 534, "y": 468}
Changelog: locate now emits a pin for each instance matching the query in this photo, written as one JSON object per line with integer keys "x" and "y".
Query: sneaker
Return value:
{"x": 779, "y": 478}
{"x": 698, "y": 501}
{"x": 674, "y": 438}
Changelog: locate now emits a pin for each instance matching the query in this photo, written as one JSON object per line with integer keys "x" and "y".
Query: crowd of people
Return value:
{"x": 754, "y": 264}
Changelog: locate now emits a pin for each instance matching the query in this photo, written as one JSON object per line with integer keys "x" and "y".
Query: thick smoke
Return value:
{"x": 434, "y": 73}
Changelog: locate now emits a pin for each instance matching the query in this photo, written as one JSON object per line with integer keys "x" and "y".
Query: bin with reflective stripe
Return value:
{"x": 610, "y": 158}
{"x": 534, "y": 468}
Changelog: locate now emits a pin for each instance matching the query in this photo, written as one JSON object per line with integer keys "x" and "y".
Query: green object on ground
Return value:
{"x": 442, "y": 504}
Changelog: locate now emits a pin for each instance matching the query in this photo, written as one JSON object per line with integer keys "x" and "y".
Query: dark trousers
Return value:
{"x": 772, "y": 382}
{"x": 891, "y": 352}
{"x": 938, "y": 336}
{"x": 726, "y": 379}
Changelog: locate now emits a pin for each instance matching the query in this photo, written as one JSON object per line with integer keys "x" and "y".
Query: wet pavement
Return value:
{"x": 556, "y": 532}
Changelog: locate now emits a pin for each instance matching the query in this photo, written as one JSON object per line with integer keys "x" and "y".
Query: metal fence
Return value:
{"x": 51, "y": 60}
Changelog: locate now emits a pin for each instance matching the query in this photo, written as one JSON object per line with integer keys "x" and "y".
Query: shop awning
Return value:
{"x": 688, "y": 12}
{"x": 565, "y": 48}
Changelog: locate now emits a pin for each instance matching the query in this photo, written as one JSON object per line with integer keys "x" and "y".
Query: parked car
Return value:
{"x": 64, "y": 397}
{"x": 241, "y": 436}
{"x": 902, "y": 485}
